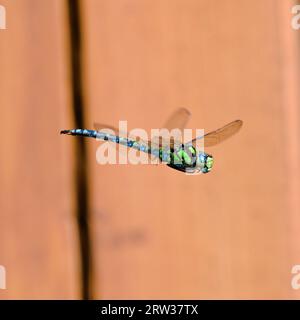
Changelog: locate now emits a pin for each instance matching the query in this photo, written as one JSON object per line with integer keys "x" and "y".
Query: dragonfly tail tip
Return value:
{"x": 65, "y": 132}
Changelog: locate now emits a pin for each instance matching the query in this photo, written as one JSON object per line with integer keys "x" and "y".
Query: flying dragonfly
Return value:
{"x": 185, "y": 157}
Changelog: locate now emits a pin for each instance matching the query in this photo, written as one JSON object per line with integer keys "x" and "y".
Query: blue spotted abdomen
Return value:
{"x": 107, "y": 137}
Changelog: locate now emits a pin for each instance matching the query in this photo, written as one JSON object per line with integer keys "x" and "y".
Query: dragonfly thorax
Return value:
{"x": 188, "y": 159}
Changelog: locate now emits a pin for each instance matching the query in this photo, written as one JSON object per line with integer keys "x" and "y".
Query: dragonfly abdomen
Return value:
{"x": 107, "y": 137}
{"x": 80, "y": 132}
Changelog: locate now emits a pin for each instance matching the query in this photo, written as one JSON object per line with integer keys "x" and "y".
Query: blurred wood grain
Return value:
{"x": 156, "y": 233}
{"x": 38, "y": 244}
{"x": 159, "y": 233}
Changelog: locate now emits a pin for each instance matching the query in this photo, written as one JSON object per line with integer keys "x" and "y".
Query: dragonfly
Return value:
{"x": 184, "y": 157}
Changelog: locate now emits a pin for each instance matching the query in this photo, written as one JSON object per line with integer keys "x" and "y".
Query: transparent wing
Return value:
{"x": 146, "y": 143}
{"x": 102, "y": 127}
{"x": 215, "y": 137}
{"x": 178, "y": 120}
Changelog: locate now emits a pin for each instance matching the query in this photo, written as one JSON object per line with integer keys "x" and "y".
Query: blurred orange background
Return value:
{"x": 155, "y": 232}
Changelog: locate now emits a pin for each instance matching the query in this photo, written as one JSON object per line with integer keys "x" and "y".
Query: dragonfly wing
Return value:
{"x": 146, "y": 143}
{"x": 101, "y": 127}
{"x": 177, "y": 120}
{"x": 215, "y": 137}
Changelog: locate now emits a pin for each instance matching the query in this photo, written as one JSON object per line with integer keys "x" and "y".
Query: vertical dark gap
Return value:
{"x": 81, "y": 161}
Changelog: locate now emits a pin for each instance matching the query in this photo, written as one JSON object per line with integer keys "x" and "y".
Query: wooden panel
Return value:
{"x": 37, "y": 239}
{"x": 159, "y": 233}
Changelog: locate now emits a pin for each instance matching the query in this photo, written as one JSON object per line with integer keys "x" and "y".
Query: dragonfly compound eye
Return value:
{"x": 206, "y": 162}
{"x": 209, "y": 162}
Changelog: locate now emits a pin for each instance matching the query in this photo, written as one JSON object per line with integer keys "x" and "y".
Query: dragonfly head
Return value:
{"x": 205, "y": 162}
